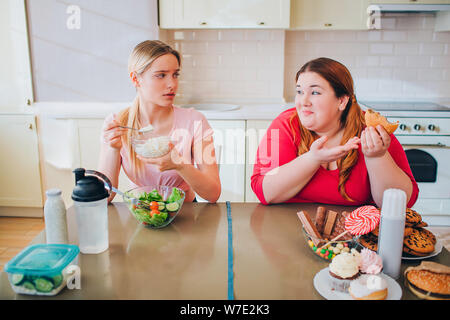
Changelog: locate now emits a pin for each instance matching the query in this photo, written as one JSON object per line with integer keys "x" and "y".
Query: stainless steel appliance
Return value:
{"x": 424, "y": 133}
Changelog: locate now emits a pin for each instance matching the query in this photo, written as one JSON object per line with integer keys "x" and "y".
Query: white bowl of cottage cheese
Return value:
{"x": 150, "y": 145}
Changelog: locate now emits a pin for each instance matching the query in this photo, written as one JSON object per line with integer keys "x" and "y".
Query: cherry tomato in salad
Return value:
{"x": 154, "y": 205}
{"x": 154, "y": 212}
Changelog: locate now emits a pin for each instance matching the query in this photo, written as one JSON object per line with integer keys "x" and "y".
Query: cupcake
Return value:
{"x": 370, "y": 262}
{"x": 368, "y": 287}
{"x": 343, "y": 269}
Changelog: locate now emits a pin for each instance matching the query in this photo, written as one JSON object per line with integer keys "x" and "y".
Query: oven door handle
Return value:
{"x": 437, "y": 145}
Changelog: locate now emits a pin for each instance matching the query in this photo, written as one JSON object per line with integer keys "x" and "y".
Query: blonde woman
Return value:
{"x": 154, "y": 68}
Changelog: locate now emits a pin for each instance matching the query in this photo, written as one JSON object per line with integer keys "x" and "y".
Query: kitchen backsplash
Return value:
{"x": 404, "y": 60}
{"x": 230, "y": 65}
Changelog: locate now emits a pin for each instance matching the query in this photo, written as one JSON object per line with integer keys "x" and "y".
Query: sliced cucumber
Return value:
{"x": 17, "y": 279}
{"x": 28, "y": 285}
{"x": 57, "y": 280}
{"x": 43, "y": 285}
{"x": 173, "y": 206}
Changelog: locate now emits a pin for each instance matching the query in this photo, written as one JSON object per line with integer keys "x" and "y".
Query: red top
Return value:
{"x": 323, "y": 186}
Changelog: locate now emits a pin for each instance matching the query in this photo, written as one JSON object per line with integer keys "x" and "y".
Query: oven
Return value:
{"x": 424, "y": 132}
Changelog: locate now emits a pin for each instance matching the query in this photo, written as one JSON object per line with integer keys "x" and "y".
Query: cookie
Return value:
{"x": 421, "y": 224}
{"x": 410, "y": 252}
{"x": 412, "y": 217}
{"x": 416, "y": 242}
{"x": 373, "y": 119}
{"x": 376, "y": 231}
{"x": 369, "y": 242}
{"x": 408, "y": 231}
{"x": 427, "y": 234}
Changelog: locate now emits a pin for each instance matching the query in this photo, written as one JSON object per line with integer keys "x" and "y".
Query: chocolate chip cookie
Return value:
{"x": 419, "y": 243}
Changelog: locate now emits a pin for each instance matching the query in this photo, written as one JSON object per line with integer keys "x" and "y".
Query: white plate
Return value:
{"x": 323, "y": 286}
{"x": 437, "y": 249}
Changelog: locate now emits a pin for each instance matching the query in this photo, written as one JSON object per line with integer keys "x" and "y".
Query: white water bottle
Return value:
{"x": 55, "y": 217}
{"x": 392, "y": 229}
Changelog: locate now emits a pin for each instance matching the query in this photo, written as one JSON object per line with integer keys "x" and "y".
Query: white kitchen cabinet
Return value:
{"x": 256, "y": 130}
{"x": 329, "y": 14}
{"x": 230, "y": 135}
{"x": 442, "y": 21}
{"x": 20, "y": 177}
{"x": 210, "y": 14}
{"x": 16, "y": 90}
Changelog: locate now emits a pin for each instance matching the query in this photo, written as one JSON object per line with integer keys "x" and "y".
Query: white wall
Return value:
{"x": 404, "y": 60}
{"x": 89, "y": 63}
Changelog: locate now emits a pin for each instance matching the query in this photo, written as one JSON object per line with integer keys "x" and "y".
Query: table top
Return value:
{"x": 189, "y": 258}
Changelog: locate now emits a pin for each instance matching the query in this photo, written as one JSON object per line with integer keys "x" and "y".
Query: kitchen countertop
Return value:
{"x": 188, "y": 259}
{"x": 247, "y": 111}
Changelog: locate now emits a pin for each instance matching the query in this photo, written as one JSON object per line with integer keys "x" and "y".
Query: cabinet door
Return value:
{"x": 89, "y": 132}
{"x": 230, "y": 136}
{"x": 255, "y": 132}
{"x": 224, "y": 14}
{"x": 329, "y": 14}
{"x": 15, "y": 77}
{"x": 20, "y": 177}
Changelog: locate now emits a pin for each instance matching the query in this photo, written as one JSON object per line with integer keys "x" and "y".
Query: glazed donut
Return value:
{"x": 374, "y": 118}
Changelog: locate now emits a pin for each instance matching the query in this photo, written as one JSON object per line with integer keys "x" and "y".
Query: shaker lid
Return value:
{"x": 88, "y": 188}
{"x": 53, "y": 192}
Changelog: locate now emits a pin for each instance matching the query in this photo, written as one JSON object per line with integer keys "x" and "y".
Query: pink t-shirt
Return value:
{"x": 189, "y": 126}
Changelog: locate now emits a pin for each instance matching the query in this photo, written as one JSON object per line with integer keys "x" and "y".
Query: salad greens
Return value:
{"x": 158, "y": 212}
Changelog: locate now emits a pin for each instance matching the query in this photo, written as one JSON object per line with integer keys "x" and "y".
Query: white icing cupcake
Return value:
{"x": 368, "y": 287}
{"x": 343, "y": 269}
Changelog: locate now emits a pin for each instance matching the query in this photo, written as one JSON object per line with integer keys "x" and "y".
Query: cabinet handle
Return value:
{"x": 262, "y": 23}
{"x": 30, "y": 126}
{"x": 327, "y": 24}
{"x": 28, "y": 102}
{"x": 203, "y": 23}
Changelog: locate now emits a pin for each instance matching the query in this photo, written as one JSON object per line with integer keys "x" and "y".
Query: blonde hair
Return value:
{"x": 352, "y": 118}
{"x": 139, "y": 61}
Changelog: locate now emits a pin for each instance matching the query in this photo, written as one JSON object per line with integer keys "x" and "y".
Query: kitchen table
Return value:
{"x": 189, "y": 258}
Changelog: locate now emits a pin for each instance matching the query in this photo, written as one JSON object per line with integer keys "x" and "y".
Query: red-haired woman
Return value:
{"x": 321, "y": 150}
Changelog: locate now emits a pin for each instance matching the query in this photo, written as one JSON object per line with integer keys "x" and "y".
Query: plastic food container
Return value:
{"x": 41, "y": 269}
{"x": 331, "y": 250}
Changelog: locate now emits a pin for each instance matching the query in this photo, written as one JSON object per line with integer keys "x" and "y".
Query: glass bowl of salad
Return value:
{"x": 157, "y": 206}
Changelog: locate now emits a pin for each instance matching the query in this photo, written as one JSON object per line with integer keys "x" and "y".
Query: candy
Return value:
{"x": 362, "y": 220}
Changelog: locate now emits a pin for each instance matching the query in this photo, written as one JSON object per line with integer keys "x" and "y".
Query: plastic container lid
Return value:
{"x": 42, "y": 259}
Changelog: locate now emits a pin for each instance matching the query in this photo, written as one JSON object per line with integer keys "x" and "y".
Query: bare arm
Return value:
{"x": 383, "y": 172}
{"x": 283, "y": 183}
{"x": 109, "y": 164}
{"x": 204, "y": 180}
{"x": 280, "y": 184}
{"x": 110, "y": 161}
